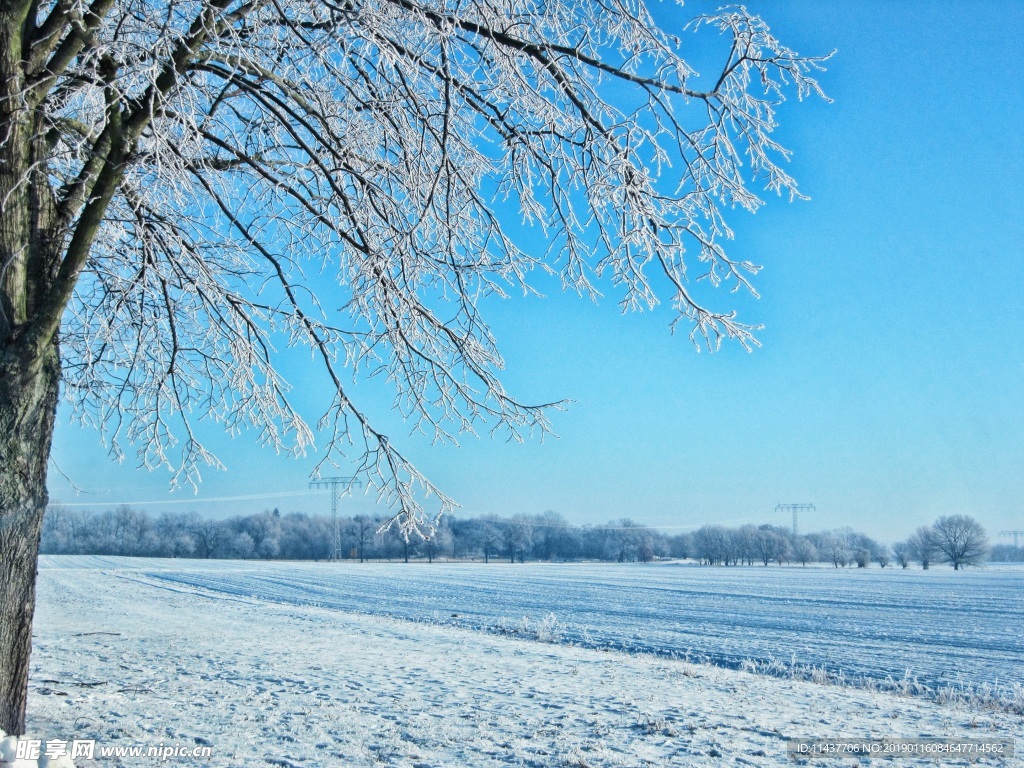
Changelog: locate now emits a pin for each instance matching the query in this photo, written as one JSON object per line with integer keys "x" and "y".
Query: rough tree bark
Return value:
{"x": 28, "y": 402}
{"x": 29, "y": 368}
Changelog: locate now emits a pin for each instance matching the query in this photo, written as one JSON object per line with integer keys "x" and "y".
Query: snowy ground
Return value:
{"x": 130, "y": 659}
{"x": 940, "y": 627}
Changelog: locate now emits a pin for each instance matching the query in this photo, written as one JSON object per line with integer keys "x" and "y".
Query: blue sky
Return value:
{"x": 888, "y": 387}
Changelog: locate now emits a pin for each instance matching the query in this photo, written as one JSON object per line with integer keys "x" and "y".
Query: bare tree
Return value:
{"x": 712, "y": 544}
{"x": 901, "y": 551}
{"x": 363, "y": 527}
{"x": 172, "y": 175}
{"x": 517, "y": 536}
{"x": 804, "y": 551}
{"x": 439, "y": 542}
{"x": 767, "y": 544}
{"x": 209, "y": 536}
{"x": 961, "y": 540}
{"x": 834, "y": 548}
{"x": 489, "y": 537}
{"x": 922, "y": 546}
{"x": 746, "y": 537}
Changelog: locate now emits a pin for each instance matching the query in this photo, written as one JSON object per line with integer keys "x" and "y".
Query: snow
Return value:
{"x": 939, "y": 627}
{"x": 236, "y": 656}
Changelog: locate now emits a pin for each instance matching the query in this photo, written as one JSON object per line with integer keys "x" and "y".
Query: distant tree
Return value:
{"x": 833, "y": 547}
{"x": 489, "y": 538}
{"x": 265, "y": 531}
{"x": 1006, "y": 553}
{"x": 517, "y": 536}
{"x": 708, "y": 543}
{"x": 79, "y": 526}
{"x": 438, "y": 543}
{"x": 464, "y": 533}
{"x": 210, "y": 536}
{"x": 680, "y": 546}
{"x": 549, "y": 536}
{"x": 746, "y": 538}
{"x": 768, "y": 544}
{"x": 901, "y": 552}
{"x": 961, "y": 540}
{"x": 303, "y": 537}
{"x": 241, "y": 545}
{"x": 804, "y": 551}
{"x": 57, "y": 538}
{"x": 922, "y": 546}
{"x": 363, "y": 527}
{"x": 398, "y": 541}
{"x": 882, "y": 557}
{"x": 173, "y": 533}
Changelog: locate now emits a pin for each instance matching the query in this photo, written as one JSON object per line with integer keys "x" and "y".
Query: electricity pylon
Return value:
{"x": 338, "y": 486}
{"x": 794, "y": 508}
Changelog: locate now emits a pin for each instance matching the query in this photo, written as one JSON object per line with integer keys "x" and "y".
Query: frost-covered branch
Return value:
{"x": 232, "y": 178}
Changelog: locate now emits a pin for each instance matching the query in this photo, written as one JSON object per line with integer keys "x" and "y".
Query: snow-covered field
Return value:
{"x": 299, "y": 664}
{"x": 941, "y": 627}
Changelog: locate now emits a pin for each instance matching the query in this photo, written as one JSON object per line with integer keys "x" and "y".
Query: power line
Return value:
{"x": 147, "y": 502}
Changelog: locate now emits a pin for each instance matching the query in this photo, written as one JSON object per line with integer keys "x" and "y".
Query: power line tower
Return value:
{"x": 338, "y": 486}
{"x": 1016, "y": 536}
{"x": 795, "y": 508}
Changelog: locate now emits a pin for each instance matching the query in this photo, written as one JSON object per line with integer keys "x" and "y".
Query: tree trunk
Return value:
{"x": 29, "y": 373}
{"x": 28, "y": 404}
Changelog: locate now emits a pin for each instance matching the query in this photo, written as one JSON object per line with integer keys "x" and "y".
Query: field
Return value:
{"x": 536, "y": 665}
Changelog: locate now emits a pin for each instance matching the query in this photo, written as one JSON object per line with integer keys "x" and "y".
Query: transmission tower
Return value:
{"x": 1016, "y": 536}
{"x": 795, "y": 508}
{"x": 338, "y": 486}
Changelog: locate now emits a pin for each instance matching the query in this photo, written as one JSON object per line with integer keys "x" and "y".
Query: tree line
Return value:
{"x": 956, "y": 539}
{"x": 298, "y": 536}
{"x": 545, "y": 537}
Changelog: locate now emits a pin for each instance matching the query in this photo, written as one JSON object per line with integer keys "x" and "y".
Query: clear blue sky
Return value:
{"x": 889, "y": 387}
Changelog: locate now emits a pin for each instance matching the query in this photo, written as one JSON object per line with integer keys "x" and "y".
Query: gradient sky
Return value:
{"x": 888, "y": 390}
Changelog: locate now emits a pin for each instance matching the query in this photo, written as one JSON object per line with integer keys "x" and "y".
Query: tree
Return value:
{"x": 438, "y": 543}
{"x": 767, "y": 544}
{"x": 1006, "y": 553}
{"x": 362, "y": 528}
{"x": 961, "y": 540}
{"x": 209, "y": 536}
{"x": 517, "y": 536}
{"x": 551, "y": 537}
{"x": 398, "y": 541}
{"x": 834, "y": 547}
{"x": 804, "y": 551}
{"x": 680, "y": 546}
{"x": 265, "y": 531}
{"x": 901, "y": 551}
{"x": 746, "y": 537}
{"x": 489, "y": 537}
{"x": 171, "y": 174}
{"x": 922, "y": 546}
